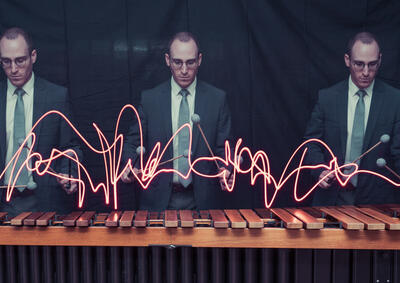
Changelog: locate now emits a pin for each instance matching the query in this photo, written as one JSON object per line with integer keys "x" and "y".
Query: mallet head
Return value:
{"x": 385, "y": 138}
{"x": 381, "y": 162}
{"x": 31, "y": 185}
{"x": 195, "y": 118}
{"x": 140, "y": 149}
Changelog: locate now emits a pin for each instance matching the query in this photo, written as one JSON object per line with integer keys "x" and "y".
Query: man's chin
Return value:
{"x": 184, "y": 84}
{"x": 364, "y": 84}
{"x": 17, "y": 83}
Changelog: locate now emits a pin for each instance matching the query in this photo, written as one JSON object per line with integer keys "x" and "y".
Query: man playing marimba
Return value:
{"x": 351, "y": 117}
{"x": 24, "y": 98}
{"x": 166, "y": 108}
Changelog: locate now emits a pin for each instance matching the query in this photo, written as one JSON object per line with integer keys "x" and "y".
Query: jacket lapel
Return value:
{"x": 342, "y": 104}
{"x": 374, "y": 113}
{"x": 165, "y": 110}
{"x": 39, "y": 102}
{"x": 3, "y": 101}
{"x": 200, "y": 109}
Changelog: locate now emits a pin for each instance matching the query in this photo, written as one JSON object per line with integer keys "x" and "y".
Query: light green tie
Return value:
{"x": 20, "y": 135}
{"x": 183, "y": 144}
{"x": 357, "y": 135}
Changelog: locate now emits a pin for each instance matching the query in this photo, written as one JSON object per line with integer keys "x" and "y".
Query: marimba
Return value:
{"x": 318, "y": 244}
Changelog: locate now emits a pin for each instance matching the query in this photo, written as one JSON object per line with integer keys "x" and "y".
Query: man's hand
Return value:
{"x": 65, "y": 184}
{"x": 128, "y": 177}
{"x": 227, "y": 173}
{"x": 327, "y": 182}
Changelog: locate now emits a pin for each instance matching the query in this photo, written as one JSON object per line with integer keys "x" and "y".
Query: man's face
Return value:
{"x": 363, "y": 62}
{"x": 16, "y": 61}
{"x": 184, "y": 61}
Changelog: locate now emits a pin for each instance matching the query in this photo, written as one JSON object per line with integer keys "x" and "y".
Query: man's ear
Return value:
{"x": 347, "y": 60}
{"x": 200, "y": 58}
{"x": 167, "y": 60}
{"x": 34, "y": 56}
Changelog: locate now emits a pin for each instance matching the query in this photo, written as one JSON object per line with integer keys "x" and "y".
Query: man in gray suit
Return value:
{"x": 24, "y": 98}
{"x": 351, "y": 117}
{"x": 164, "y": 109}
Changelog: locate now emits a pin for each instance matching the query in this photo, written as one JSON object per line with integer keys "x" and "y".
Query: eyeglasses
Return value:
{"x": 178, "y": 63}
{"x": 359, "y": 65}
{"x": 19, "y": 61}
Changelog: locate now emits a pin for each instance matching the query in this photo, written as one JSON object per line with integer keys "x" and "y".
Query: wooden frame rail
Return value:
{"x": 201, "y": 237}
{"x": 347, "y": 227}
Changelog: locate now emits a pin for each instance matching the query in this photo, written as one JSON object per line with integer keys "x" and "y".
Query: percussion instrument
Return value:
{"x": 307, "y": 244}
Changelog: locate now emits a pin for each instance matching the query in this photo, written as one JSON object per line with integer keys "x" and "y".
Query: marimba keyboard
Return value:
{"x": 347, "y": 217}
{"x": 260, "y": 245}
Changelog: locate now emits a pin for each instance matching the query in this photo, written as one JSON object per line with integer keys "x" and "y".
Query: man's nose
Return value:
{"x": 14, "y": 67}
{"x": 184, "y": 68}
{"x": 365, "y": 71}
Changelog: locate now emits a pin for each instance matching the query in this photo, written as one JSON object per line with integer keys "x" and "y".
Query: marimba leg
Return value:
{"x": 283, "y": 264}
{"x": 361, "y": 266}
{"x": 396, "y": 269}
{"x": 383, "y": 265}
{"x": 202, "y": 265}
{"x": 303, "y": 266}
{"x": 101, "y": 276}
{"x": 10, "y": 264}
{"x": 267, "y": 262}
{"x": 35, "y": 266}
{"x": 128, "y": 264}
{"x": 142, "y": 265}
{"x": 60, "y": 266}
{"x": 87, "y": 264}
{"x": 234, "y": 265}
{"x": 187, "y": 262}
{"x": 250, "y": 266}
{"x": 2, "y": 273}
{"x": 341, "y": 266}
{"x": 156, "y": 265}
{"x": 47, "y": 265}
{"x": 115, "y": 265}
{"x": 322, "y": 262}
{"x": 171, "y": 264}
{"x": 73, "y": 264}
{"x": 23, "y": 264}
{"x": 217, "y": 265}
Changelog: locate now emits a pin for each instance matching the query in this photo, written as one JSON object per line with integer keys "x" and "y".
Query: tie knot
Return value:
{"x": 19, "y": 92}
{"x": 361, "y": 93}
{"x": 184, "y": 92}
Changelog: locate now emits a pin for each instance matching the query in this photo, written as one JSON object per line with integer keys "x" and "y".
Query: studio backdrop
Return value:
{"x": 271, "y": 57}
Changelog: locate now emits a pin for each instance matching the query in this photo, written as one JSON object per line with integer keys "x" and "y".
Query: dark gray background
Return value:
{"x": 271, "y": 57}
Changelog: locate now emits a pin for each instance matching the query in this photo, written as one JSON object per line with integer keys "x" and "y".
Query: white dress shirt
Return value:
{"x": 176, "y": 99}
{"x": 28, "y": 87}
{"x": 351, "y": 108}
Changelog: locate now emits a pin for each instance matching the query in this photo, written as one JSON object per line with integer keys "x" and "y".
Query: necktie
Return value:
{"x": 183, "y": 139}
{"x": 357, "y": 135}
{"x": 20, "y": 135}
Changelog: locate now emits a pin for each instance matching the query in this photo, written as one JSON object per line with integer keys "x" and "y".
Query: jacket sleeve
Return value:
{"x": 132, "y": 137}
{"x": 315, "y": 130}
{"x": 68, "y": 139}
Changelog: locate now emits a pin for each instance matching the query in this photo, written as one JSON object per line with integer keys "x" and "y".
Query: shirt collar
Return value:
{"x": 353, "y": 88}
{"x": 27, "y": 87}
{"x": 175, "y": 88}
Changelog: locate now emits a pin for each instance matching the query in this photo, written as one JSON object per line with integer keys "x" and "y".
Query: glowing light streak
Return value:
{"x": 111, "y": 152}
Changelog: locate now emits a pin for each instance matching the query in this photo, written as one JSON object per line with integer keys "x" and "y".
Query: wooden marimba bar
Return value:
{"x": 318, "y": 244}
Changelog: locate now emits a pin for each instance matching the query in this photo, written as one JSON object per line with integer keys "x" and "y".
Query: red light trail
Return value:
{"x": 259, "y": 164}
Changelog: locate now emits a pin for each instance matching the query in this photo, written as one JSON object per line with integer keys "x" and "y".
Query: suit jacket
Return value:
{"x": 52, "y": 132}
{"x": 329, "y": 123}
{"x": 155, "y": 108}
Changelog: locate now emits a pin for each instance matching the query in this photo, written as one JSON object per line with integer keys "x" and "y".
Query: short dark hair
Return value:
{"x": 365, "y": 37}
{"x": 183, "y": 36}
{"x": 14, "y": 32}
